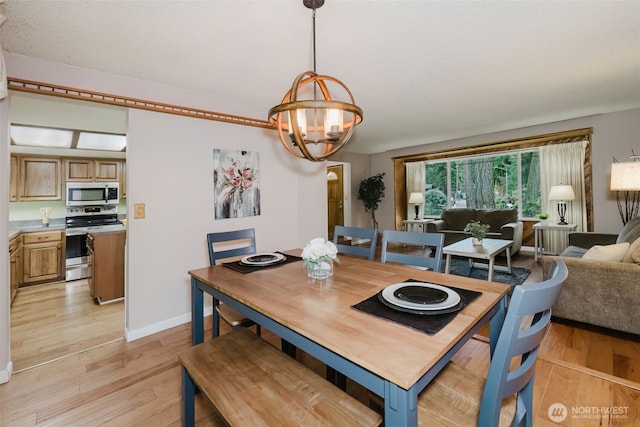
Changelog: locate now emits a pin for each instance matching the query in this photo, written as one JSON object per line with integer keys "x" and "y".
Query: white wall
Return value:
{"x": 5, "y": 330}
{"x": 614, "y": 135}
{"x": 170, "y": 169}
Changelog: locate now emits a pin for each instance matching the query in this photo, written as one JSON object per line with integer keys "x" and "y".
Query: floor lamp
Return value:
{"x": 625, "y": 178}
{"x": 561, "y": 193}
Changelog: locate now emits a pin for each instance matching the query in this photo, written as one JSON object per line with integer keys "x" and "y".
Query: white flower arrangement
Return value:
{"x": 318, "y": 251}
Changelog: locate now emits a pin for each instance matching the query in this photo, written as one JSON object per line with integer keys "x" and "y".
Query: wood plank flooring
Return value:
{"x": 138, "y": 383}
{"x": 56, "y": 320}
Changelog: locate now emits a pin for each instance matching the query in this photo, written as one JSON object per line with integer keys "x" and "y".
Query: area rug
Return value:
{"x": 460, "y": 267}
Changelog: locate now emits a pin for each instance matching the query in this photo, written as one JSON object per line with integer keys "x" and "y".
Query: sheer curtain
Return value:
{"x": 563, "y": 164}
{"x": 416, "y": 182}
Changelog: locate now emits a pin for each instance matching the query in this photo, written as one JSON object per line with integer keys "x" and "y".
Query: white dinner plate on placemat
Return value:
{"x": 420, "y": 296}
{"x": 262, "y": 259}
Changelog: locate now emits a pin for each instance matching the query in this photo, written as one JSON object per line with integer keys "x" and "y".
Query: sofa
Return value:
{"x": 603, "y": 287}
{"x": 503, "y": 224}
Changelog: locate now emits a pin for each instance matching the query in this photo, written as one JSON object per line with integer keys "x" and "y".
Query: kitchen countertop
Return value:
{"x": 16, "y": 227}
{"x": 108, "y": 229}
{"x": 27, "y": 226}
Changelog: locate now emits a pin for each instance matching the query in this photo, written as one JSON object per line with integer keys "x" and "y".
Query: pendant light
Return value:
{"x": 317, "y": 115}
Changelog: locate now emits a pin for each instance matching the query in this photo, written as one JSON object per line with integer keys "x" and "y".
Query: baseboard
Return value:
{"x": 5, "y": 374}
{"x": 597, "y": 329}
{"x": 132, "y": 335}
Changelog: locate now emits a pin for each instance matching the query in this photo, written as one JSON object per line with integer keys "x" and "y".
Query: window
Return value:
{"x": 451, "y": 176}
{"x": 493, "y": 181}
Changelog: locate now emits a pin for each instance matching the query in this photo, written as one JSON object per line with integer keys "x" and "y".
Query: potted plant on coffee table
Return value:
{"x": 478, "y": 231}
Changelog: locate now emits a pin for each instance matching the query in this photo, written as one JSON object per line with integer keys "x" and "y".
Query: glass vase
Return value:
{"x": 321, "y": 270}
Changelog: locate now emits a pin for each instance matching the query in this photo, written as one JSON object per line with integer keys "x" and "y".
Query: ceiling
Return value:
{"x": 422, "y": 71}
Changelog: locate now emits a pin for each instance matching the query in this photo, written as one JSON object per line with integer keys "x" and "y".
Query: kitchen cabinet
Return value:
{"x": 123, "y": 179}
{"x": 106, "y": 255}
{"x": 39, "y": 178}
{"x": 13, "y": 179}
{"x": 44, "y": 256}
{"x": 92, "y": 170}
{"x": 16, "y": 265}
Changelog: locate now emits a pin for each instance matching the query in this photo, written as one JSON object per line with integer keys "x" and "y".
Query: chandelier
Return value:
{"x": 317, "y": 115}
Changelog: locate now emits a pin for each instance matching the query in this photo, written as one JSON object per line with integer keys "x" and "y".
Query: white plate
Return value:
{"x": 452, "y": 299}
{"x": 267, "y": 258}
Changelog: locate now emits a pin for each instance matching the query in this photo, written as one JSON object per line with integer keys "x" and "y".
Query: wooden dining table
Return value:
{"x": 391, "y": 360}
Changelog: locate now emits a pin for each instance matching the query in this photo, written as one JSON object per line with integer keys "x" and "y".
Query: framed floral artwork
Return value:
{"x": 236, "y": 183}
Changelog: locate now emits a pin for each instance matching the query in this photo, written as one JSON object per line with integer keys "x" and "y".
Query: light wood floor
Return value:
{"x": 138, "y": 383}
{"x": 56, "y": 320}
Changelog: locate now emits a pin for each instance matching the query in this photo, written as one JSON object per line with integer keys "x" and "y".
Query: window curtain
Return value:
{"x": 563, "y": 164}
{"x": 416, "y": 174}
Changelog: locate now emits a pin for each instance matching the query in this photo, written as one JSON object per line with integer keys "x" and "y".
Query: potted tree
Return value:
{"x": 371, "y": 192}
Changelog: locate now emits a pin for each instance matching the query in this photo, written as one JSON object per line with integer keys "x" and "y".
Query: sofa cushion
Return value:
{"x": 614, "y": 253}
{"x": 630, "y": 232}
{"x": 574, "y": 252}
{"x": 456, "y": 219}
{"x": 496, "y": 218}
{"x": 633, "y": 253}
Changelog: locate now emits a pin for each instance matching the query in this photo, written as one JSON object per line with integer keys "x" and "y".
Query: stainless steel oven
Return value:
{"x": 80, "y": 221}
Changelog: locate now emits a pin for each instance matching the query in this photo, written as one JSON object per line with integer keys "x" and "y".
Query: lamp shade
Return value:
{"x": 625, "y": 176}
{"x": 416, "y": 198}
{"x": 561, "y": 192}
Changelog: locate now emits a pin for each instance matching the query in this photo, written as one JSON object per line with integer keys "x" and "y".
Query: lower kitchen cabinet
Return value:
{"x": 17, "y": 267}
{"x": 106, "y": 254}
{"x": 44, "y": 256}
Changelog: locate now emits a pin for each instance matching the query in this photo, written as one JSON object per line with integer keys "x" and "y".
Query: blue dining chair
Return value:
{"x": 432, "y": 261}
{"x": 232, "y": 244}
{"x": 458, "y": 397}
{"x": 370, "y": 234}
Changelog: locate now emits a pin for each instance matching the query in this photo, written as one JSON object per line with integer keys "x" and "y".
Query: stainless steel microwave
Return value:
{"x": 92, "y": 193}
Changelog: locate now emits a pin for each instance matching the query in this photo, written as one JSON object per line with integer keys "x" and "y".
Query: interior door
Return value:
{"x": 335, "y": 197}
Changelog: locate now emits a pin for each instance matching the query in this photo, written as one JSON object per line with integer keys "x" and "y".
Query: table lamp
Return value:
{"x": 417, "y": 199}
{"x": 561, "y": 193}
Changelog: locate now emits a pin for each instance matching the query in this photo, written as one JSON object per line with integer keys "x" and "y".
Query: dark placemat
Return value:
{"x": 429, "y": 324}
{"x": 244, "y": 269}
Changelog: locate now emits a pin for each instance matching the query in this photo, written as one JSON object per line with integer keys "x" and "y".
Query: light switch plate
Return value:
{"x": 138, "y": 210}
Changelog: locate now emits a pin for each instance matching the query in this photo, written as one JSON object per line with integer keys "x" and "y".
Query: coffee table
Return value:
{"x": 487, "y": 251}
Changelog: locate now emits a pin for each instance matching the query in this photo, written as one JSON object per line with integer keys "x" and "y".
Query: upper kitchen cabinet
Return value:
{"x": 13, "y": 180}
{"x": 39, "y": 178}
{"x": 93, "y": 170}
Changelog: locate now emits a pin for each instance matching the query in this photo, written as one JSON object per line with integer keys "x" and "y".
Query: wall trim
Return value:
{"x": 5, "y": 374}
{"x": 41, "y": 88}
{"x": 161, "y": 326}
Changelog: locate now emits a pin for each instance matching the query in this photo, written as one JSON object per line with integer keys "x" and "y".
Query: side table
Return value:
{"x": 411, "y": 224}
{"x": 537, "y": 230}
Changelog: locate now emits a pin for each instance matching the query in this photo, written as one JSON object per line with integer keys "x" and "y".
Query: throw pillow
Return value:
{"x": 613, "y": 253}
{"x": 633, "y": 253}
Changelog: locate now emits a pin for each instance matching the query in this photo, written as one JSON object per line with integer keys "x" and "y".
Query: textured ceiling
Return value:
{"x": 422, "y": 71}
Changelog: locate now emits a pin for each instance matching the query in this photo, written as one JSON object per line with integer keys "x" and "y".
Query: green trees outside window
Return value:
{"x": 485, "y": 182}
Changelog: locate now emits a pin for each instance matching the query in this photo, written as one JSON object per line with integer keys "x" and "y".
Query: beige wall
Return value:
{"x": 5, "y": 331}
{"x": 614, "y": 135}
{"x": 170, "y": 169}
